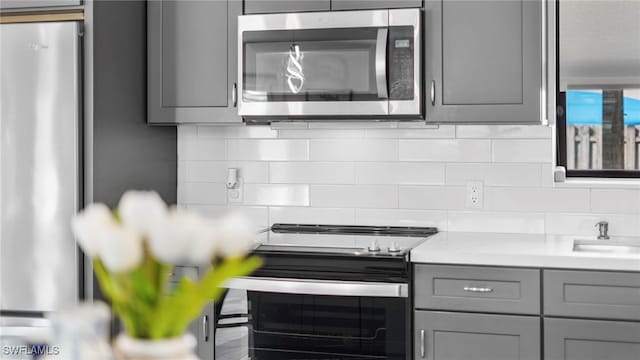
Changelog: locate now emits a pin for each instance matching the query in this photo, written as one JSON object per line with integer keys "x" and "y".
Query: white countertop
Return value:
{"x": 525, "y": 250}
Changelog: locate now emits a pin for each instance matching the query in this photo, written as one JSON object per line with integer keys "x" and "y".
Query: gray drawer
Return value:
{"x": 482, "y": 289}
{"x": 592, "y": 294}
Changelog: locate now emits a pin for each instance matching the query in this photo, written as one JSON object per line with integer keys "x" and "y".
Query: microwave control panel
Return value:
{"x": 401, "y": 65}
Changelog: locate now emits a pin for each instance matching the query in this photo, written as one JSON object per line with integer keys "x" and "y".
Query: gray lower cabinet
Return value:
{"x": 572, "y": 339}
{"x": 483, "y": 61}
{"x": 464, "y": 336}
{"x": 192, "y": 61}
{"x": 26, "y": 4}
{"x": 374, "y": 4}
{"x": 285, "y": 6}
{"x": 592, "y": 294}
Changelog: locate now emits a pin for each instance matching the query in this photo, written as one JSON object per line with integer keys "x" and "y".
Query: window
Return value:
{"x": 599, "y": 88}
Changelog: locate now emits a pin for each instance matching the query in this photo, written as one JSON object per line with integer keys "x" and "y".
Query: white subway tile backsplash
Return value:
{"x": 402, "y": 217}
{"x": 388, "y": 173}
{"x": 276, "y": 195}
{"x": 352, "y": 196}
{"x": 432, "y": 197}
{"x": 259, "y": 216}
{"x": 445, "y": 150}
{"x": 584, "y": 224}
{"x": 421, "y": 132}
{"x": 494, "y": 174}
{"x": 322, "y": 133}
{"x": 500, "y": 222}
{"x": 536, "y": 199}
{"x": 216, "y": 171}
{"x": 402, "y": 173}
{"x": 312, "y": 172}
{"x": 202, "y": 171}
{"x": 522, "y": 150}
{"x": 242, "y": 132}
{"x": 615, "y": 201}
{"x": 196, "y": 148}
{"x": 313, "y": 215}
{"x": 503, "y": 131}
{"x": 256, "y": 172}
{"x": 268, "y": 150}
{"x": 353, "y": 150}
{"x": 203, "y": 193}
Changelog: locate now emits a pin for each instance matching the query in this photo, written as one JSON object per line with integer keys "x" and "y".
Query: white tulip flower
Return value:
{"x": 236, "y": 235}
{"x": 174, "y": 240}
{"x": 142, "y": 211}
{"x": 121, "y": 248}
{"x": 87, "y": 226}
{"x": 203, "y": 243}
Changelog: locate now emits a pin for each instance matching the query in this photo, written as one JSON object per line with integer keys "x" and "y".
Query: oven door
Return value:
{"x": 313, "y": 64}
{"x": 280, "y": 319}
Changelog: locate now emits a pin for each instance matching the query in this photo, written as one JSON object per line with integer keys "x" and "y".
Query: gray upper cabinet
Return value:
{"x": 374, "y": 4}
{"x": 447, "y": 336}
{"x": 483, "y": 61}
{"x": 192, "y": 61}
{"x": 569, "y": 339}
{"x": 26, "y": 4}
{"x": 285, "y": 6}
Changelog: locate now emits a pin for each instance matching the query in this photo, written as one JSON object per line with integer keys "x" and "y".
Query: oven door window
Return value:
{"x": 315, "y": 65}
{"x": 270, "y": 326}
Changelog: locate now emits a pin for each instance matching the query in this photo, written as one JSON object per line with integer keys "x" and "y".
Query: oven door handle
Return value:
{"x": 381, "y": 63}
{"x": 318, "y": 287}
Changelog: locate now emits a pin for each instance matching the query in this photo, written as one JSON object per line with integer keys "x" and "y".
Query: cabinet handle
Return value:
{"x": 205, "y": 328}
{"x": 477, "y": 289}
{"x": 234, "y": 95}
{"x": 433, "y": 93}
{"x": 422, "y": 344}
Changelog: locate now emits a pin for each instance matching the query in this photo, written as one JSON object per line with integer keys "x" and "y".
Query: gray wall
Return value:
{"x": 127, "y": 154}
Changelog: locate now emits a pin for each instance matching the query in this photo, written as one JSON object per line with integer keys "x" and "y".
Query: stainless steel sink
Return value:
{"x": 607, "y": 246}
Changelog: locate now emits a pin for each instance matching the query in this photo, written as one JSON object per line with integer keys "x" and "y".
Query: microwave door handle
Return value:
{"x": 381, "y": 63}
{"x": 318, "y": 287}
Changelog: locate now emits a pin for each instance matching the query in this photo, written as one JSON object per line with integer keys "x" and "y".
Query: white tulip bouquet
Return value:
{"x": 135, "y": 248}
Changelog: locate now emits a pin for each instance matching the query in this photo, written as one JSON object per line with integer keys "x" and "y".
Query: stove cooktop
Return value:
{"x": 345, "y": 240}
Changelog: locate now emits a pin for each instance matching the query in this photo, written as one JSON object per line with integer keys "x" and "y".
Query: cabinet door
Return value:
{"x": 374, "y": 4}
{"x": 483, "y": 61}
{"x": 447, "y": 336}
{"x": 192, "y": 61}
{"x": 568, "y": 339}
{"x": 20, "y": 4}
{"x": 285, "y": 6}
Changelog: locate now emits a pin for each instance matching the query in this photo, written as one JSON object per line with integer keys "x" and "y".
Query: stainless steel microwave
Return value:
{"x": 330, "y": 65}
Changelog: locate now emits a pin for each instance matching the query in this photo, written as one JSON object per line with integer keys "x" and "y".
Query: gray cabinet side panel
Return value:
{"x": 284, "y": 6}
{"x": 568, "y": 339}
{"x": 19, "y": 4}
{"x": 194, "y": 53}
{"x": 374, "y": 4}
{"x": 476, "y": 336}
{"x": 128, "y": 154}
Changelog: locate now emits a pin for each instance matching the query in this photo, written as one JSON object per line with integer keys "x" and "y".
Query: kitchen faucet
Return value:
{"x": 603, "y": 229}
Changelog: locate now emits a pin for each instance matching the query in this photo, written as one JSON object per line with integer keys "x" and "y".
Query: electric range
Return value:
{"x": 324, "y": 292}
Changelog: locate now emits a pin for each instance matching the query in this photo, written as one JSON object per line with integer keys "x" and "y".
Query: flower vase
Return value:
{"x": 178, "y": 348}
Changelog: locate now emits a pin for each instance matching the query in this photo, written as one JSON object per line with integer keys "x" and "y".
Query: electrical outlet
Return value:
{"x": 234, "y": 195}
{"x": 475, "y": 194}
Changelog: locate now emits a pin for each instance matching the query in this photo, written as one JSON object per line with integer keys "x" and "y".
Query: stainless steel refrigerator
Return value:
{"x": 40, "y": 156}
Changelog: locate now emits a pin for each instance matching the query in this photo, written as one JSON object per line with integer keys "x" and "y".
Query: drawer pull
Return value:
{"x": 422, "y": 344}
{"x": 477, "y": 289}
